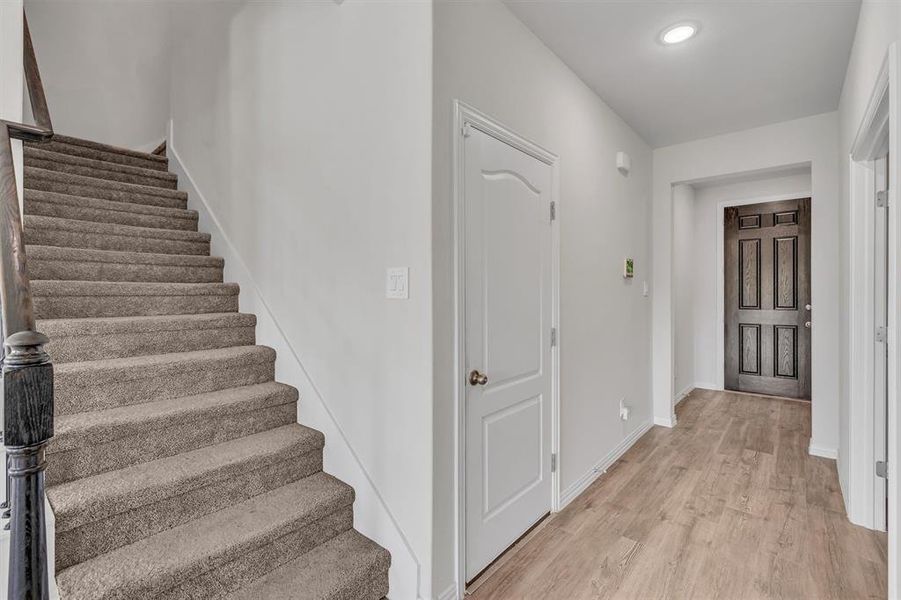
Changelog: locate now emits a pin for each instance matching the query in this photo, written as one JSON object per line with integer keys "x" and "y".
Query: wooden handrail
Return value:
{"x": 15, "y": 291}
{"x": 27, "y": 370}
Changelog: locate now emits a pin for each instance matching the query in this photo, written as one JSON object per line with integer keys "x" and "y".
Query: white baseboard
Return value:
{"x": 706, "y": 385}
{"x": 684, "y": 394}
{"x": 372, "y": 517}
{"x": 582, "y": 483}
{"x": 666, "y": 421}
{"x": 822, "y": 451}
{"x": 449, "y": 594}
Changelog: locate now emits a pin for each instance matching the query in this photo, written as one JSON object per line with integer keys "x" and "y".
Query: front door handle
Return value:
{"x": 807, "y": 324}
{"x": 476, "y": 378}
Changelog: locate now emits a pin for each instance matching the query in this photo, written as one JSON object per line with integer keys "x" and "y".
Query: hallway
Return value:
{"x": 726, "y": 505}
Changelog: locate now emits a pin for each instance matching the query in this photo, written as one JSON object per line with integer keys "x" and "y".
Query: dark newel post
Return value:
{"x": 28, "y": 426}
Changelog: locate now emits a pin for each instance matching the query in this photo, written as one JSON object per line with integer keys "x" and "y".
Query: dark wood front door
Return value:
{"x": 767, "y": 296}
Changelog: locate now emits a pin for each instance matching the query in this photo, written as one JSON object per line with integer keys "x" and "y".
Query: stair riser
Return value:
{"x": 109, "y": 241}
{"x": 90, "y": 390}
{"x": 370, "y": 585}
{"x": 105, "y": 174}
{"x": 184, "y": 436}
{"x": 96, "y": 154}
{"x": 254, "y": 563}
{"x": 98, "y": 271}
{"x": 123, "y": 345}
{"x": 123, "y": 217}
{"x": 91, "y": 191}
{"x": 109, "y": 533}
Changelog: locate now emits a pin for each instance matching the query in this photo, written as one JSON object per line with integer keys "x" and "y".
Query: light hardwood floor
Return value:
{"x": 726, "y": 505}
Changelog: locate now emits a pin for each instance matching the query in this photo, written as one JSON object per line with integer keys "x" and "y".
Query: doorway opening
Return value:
{"x": 774, "y": 207}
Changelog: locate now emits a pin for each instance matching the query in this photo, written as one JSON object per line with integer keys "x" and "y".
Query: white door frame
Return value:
{"x": 721, "y": 271}
{"x": 466, "y": 116}
{"x": 878, "y": 131}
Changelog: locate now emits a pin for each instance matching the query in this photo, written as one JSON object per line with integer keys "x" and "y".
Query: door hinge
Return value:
{"x": 554, "y": 463}
{"x": 553, "y": 337}
{"x": 882, "y": 199}
{"x": 882, "y": 469}
{"x": 553, "y": 211}
{"x": 466, "y": 129}
{"x": 881, "y": 334}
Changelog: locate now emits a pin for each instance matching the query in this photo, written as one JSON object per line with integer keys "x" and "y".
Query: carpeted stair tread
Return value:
{"x": 218, "y": 476}
{"x": 107, "y": 494}
{"x": 65, "y": 144}
{"x": 34, "y": 174}
{"x": 168, "y": 560}
{"x": 52, "y": 204}
{"x": 105, "y": 426}
{"x": 85, "y": 264}
{"x": 72, "y": 233}
{"x": 77, "y": 165}
{"x": 347, "y": 567}
{"x": 90, "y": 187}
{"x": 55, "y": 299}
{"x": 101, "y": 384}
{"x": 95, "y": 442}
{"x": 118, "y": 337}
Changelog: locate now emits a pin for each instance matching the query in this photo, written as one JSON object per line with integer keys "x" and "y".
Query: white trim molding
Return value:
{"x": 684, "y": 394}
{"x": 822, "y": 451}
{"x": 706, "y": 385}
{"x": 862, "y": 489}
{"x": 372, "y": 516}
{"x": 666, "y": 422}
{"x": 466, "y": 116}
{"x": 450, "y": 593}
{"x": 599, "y": 468}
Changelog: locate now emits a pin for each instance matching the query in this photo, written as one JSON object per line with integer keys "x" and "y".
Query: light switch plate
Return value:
{"x": 644, "y": 288}
{"x": 397, "y": 283}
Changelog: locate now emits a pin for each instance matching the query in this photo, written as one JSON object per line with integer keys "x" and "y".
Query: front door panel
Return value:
{"x": 767, "y": 294}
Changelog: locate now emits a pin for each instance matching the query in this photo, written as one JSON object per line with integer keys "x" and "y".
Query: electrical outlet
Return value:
{"x": 623, "y": 410}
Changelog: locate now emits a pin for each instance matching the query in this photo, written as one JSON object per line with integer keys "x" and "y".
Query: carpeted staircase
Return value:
{"x": 178, "y": 469}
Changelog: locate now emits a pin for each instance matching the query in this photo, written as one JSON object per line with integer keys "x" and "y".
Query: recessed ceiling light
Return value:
{"x": 678, "y": 33}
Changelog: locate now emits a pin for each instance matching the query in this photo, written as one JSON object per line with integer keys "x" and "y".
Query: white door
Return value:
{"x": 507, "y": 204}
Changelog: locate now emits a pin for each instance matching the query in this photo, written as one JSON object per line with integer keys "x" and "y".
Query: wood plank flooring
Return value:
{"x": 726, "y": 505}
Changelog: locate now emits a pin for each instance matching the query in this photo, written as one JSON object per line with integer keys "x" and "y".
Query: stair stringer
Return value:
{"x": 372, "y": 517}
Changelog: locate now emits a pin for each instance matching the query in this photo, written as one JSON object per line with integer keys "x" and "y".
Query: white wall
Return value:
{"x": 878, "y": 26}
{"x": 684, "y": 295}
{"x": 812, "y": 140}
{"x": 105, "y": 68}
{"x": 708, "y": 196}
{"x": 307, "y": 127}
{"x": 487, "y": 58}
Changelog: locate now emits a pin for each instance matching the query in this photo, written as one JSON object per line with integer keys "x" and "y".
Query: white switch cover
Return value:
{"x": 397, "y": 283}
{"x": 644, "y": 288}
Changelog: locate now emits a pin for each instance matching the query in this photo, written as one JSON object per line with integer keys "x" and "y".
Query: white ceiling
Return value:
{"x": 754, "y": 62}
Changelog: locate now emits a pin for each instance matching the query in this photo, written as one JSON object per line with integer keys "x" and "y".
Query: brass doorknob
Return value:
{"x": 476, "y": 378}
